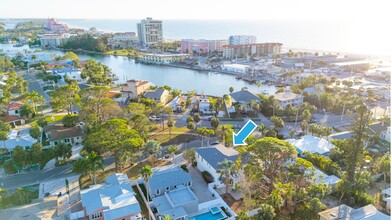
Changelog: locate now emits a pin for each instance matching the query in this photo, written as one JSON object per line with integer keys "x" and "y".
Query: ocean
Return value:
{"x": 315, "y": 35}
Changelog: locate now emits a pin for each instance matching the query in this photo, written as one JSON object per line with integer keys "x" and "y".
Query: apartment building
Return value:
{"x": 150, "y": 32}
{"x": 246, "y": 50}
{"x": 242, "y": 39}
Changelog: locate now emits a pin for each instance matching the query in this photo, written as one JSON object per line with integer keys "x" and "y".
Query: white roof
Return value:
{"x": 312, "y": 144}
{"x": 320, "y": 177}
{"x": 284, "y": 96}
{"x": 237, "y": 66}
{"x": 387, "y": 191}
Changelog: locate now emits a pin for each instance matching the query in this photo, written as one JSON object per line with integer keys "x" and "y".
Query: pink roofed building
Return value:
{"x": 53, "y": 25}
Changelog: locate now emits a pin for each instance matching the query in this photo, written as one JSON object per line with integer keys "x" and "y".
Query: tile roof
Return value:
{"x": 116, "y": 198}
{"x": 216, "y": 154}
{"x": 244, "y": 96}
{"x": 283, "y": 96}
{"x": 167, "y": 176}
{"x": 11, "y": 118}
{"x": 14, "y": 106}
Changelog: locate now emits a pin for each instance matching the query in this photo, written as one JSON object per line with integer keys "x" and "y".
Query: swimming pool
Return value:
{"x": 208, "y": 216}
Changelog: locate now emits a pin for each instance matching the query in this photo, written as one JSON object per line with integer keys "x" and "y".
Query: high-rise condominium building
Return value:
{"x": 242, "y": 39}
{"x": 150, "y": 32}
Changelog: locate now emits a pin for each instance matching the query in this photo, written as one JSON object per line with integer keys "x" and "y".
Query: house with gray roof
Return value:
{"x": 157, "y": 95}
{"x": 58, "y": 133}
{"x": 114, "y": 199}
{"x": 208, "y": 159}
{"x": 368, "y": 212}
{"x": 167, "y": 178}
{"x": 244, "y": 97}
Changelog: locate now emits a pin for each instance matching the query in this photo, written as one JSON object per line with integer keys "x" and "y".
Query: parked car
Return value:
{"x": 312, "y": 121}
{"x": 154, "y": 118}
{"x": 215, "y": 143}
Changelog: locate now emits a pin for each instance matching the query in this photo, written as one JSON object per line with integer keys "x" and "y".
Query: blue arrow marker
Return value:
{"x": 243, "y": 134}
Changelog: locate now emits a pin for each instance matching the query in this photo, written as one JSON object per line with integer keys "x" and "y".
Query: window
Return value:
{"x": 167, "y": 188}
{"x": 158, "y": 191}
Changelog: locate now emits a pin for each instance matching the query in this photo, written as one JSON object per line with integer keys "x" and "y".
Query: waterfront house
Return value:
{"x": 158, "y": 95}
{"x": 13, "y": 108}
{"x": 343, "y": 211}
{"x": 167, "y": 178}
{"x": 164, "y": 58}
{"x": 236, "y": 68}
{"x": 71, "y": 73}
{"x": 288, "y": 97}
{"x": 132, "y": 89}
{"x": 208, "y": 159}
{"x": 244, "y": 97}
{"x": 114, "y": 199}
{"x": 57, "y": 133}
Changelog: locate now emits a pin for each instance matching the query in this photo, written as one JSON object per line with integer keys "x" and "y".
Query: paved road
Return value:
{"x": 35, "y": 177}
{"x": 35, "y": 86}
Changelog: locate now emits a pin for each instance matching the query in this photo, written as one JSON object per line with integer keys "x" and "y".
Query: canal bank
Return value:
{"x": 204, "y": 82}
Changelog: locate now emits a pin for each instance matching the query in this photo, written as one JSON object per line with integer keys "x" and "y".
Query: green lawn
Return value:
{"x": 178, "y": 135}
{"x": 48, "y": 118}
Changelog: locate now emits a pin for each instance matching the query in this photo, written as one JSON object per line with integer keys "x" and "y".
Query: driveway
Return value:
{"x": 35, "y": 86}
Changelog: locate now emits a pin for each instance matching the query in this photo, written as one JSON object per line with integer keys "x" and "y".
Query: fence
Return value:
{"x": 135, "y": 183}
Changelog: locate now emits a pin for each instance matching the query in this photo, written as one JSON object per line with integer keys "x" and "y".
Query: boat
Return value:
{"x": 238, "y": 77}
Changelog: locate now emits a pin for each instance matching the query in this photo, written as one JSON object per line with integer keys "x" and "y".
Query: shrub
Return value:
{"x": 364, "y": 199}
{"x": 323, "y": 163}
{"x": 207, "y": 177}
{"x": 184, "y": 167}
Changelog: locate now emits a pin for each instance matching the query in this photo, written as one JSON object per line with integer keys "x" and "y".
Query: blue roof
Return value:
{"x": 167, "y": 176}
{"x": 216, "y": 154}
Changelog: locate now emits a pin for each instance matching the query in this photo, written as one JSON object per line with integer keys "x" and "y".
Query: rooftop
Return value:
{"x": 216, "y": 154}
{"x": 62, "y": 133}
{"x": 13, "y": 106}
{"x": 11, "y": 118}
{"x": 155, "y": 94}
{"x": 284, "y": 96}
{"x": 311, "y": 144}
{"x": 115, "y": 197}
{"x": 167, "y": 176}
{"x": 368, "y": 212}
{"x": 244, "y": 96}
{"x": 249, "y": 45}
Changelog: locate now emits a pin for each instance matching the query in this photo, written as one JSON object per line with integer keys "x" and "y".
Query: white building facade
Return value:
{"x": 150, "y": 32}
{"x": 242, "y": 39}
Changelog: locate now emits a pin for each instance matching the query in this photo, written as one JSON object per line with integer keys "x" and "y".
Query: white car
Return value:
{"x": 154, "y": 118}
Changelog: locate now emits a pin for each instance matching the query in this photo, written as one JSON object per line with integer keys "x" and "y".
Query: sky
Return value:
{"x": 368, "y": 20}
{"x": 374, "y": 10}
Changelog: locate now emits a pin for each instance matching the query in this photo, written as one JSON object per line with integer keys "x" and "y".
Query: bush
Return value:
{"x": 207, "y": 177}
{"x": 323, "y": 163}
{"x": 184, "y": 167}
{"x": 364, "y": 199}
{"x": 194, "y": 164}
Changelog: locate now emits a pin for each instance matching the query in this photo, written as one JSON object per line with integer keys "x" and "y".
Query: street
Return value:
{"x": 35, "y": 86}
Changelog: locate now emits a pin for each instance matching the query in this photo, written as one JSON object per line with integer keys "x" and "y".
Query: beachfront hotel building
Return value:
{"x": 242, "y": 39}
{"x": 246, "y": 50}
{"x": 150, "y": 32}
{"x": 202, "y": 46}
{"x": 53, "y": 25}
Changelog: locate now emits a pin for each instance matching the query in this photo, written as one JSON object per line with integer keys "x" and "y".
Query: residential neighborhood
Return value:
{"x": 171, "y": 119}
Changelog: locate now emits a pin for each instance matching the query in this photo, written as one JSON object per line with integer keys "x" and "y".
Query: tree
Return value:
{"x": 196, "y": 118}
{"x": 138, "y": 108}
{"x": 42, "y": 122}
{"x": 170, "y": 124}
{"x": 115, "y": 137}
{"x": 172, "y": 149}
{"x": 89, "y": 165}
{"x": 189, "y": 119}
{"x": 64, "y": 97}
{"x": 140, "y": 123}
{"x": 35, "y": 98}
{"x": 20, "y": 156}
{"x": 146, "y": 173}
{"x": 265, "y": 212}
{"x": 277, "y": 121}
{"x": 290, "y": 111}
{"x": 268, "y": 155}
{"x": 63, "y": 150}
{"x": 4, "y": 129}
{"x": 96, "y": 73}
{"x": 26, "y": 110}
{"x": 35, "y": 132}
{"x": 189, "y": 155}
{"x": 385, "y": 164}
{"x": 36, "y": 151}
{"x": 70, "y": 120}
{"x": 231, "y": 89}
{"x": 226, "y": 170}
{"x": 360, "y": 130}
{"x": 152, "y": 150}
{"x": 224, "y": 132}
{"x": 70, "y": 56}
{"x": 215, "y": 123}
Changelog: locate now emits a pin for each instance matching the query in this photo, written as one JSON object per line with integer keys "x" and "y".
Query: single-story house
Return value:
{"x": 167, "y": 178}
{"x": 386, "y": 193}
{"x": 311, "y": 144}
{"x": 157, "y": 95}
{"x": 368, "y": 212}
{"x": 18, "y": 138}
{"x": 58, "y": 133}
{"x": 13, "y": 108}
{"x": 114, "y": 199}
{"x": 321, "y": 177}
{"x": 208, "y": 159}
{"x": 317, "y": 89}
{"x": 13, "y": 120}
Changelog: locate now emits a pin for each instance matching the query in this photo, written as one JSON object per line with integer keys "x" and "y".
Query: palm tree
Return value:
{"x": 172, "y": 149}
{"x": 94, "y": 163}
{"x": 226, "y": 172}
{"x": 170, "y": 124}
{"x": 146, "y": 173}
{"x": 35, "y": 98}
{"x": 259, "y": 84}
{"x": 262, "y": 129}
{"x": 222, "y": 132}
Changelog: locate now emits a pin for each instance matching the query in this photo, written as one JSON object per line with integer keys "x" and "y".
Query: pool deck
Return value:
{"x": 199, "y": 186}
